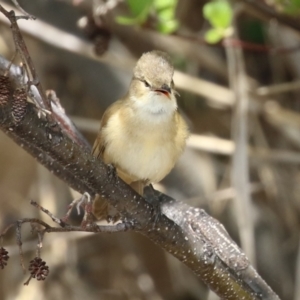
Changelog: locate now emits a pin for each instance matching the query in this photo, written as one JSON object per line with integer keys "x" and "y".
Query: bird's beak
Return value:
{"x": 164, "y": 90}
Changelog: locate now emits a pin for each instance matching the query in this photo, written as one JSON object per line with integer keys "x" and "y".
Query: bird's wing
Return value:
{"x": 100, "y": 143}
{"x": 99, "y": 150}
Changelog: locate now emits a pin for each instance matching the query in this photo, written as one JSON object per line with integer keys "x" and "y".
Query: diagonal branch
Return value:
{"x": 188, "y": 233}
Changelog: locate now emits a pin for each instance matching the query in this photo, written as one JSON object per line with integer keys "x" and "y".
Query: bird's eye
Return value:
{"x": 146, "y": 83}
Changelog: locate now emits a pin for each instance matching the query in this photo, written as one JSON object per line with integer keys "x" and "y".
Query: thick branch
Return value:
{"x": 189, "y": 234}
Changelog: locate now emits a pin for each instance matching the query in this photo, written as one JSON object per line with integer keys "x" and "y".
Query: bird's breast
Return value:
{"x": 147, "y": 151}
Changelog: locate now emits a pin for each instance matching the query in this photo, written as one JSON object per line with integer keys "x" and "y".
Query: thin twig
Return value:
{"x": 23, "y": 51}
{"x": 240, "y": 168}
{"x": 31, "y": 17}
{"x": 19, "y": 243}
{"x": 58, "y": 221}
{"x": 278, "y": 88}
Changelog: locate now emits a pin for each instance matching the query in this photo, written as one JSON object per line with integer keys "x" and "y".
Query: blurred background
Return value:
{"x": 238, "y": 75}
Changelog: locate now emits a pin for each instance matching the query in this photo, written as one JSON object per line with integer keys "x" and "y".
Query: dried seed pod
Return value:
{"x": 97, "y": 31}
{"x": 3, "y": 257}
{"x": 19, "y": 104}
{"x": 38, "y": 268}
{"x": 5, "y": 90}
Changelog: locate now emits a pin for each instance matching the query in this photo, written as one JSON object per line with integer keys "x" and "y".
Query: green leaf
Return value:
{"x": 139, "y": 11}
{"x": 168, "y": 27}
{"x": 127, "y": 20}
{"x": 138, "y": 7}
{"x": 295, "y": 3}
{"x": 166, "y": 14}
{"x": 165, "y": 10}
{"x": 214, "y": 35}
{"x": 218, "y": 13}
{"x": 162, "y": 4}
{"x": 292, "y": 8}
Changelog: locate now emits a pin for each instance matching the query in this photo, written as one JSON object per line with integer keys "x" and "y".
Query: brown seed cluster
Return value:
{"x": 19, "y": 104}
{"x": 5, "y": 90}
{"x": 3, "y": 257}
{"x": 38, "y": 269}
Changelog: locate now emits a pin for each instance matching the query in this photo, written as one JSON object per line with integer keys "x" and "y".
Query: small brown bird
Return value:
{"x": 142, "y": 134}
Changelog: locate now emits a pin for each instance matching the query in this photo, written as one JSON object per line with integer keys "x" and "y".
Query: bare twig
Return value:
{"x": 89, "y": 226}
{"x": 23, "y": 52}
{"x": 286, "y": 121}
{"x": 19, "y": 243}
{"x": 46, "y": 228}
{"x": 278, "y": 88}
{"x": 240, "y": 168}
{"x": 16, "y": 3}
{"x": 58, "y": 221}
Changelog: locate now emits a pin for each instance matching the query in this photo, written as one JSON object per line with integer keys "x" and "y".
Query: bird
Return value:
{"x": 142, "y": 134}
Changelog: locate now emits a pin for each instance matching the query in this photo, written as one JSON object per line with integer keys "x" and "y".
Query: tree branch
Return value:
{"x": 188, "y": 233}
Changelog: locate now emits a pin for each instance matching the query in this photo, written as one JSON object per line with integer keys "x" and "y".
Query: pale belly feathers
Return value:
{"x": 145, "y": 152}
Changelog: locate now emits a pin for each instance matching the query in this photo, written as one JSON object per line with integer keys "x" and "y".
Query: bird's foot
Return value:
{"x": 112, "y": 172}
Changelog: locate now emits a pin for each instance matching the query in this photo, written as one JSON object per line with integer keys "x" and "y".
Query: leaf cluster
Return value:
{"x": 163, "y": 10}
{"x": 219, "y": 14}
